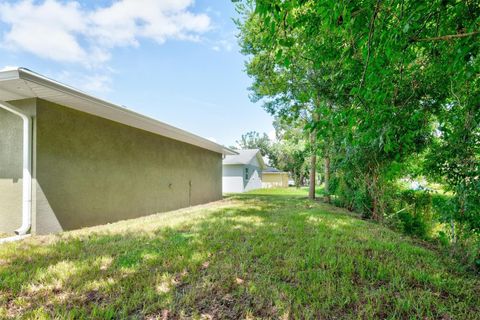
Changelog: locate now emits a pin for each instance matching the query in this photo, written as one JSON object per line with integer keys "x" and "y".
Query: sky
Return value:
{"x": 177, "y": 61}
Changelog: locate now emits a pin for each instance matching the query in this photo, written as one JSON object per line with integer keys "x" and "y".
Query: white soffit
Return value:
{"x": 22, "y": 84}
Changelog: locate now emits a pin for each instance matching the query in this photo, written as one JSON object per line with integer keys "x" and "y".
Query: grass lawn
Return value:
{"x": 269, "y": 254}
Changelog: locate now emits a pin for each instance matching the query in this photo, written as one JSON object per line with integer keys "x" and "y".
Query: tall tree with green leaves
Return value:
{"x": 287, "y": 82}
{"x": 375, "y": 71}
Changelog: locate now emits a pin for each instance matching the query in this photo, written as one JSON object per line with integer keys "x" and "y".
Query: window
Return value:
{"x": 246, "y": 174}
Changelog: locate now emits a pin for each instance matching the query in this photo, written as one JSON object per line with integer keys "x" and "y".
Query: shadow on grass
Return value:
{"x": 271, "y": 257}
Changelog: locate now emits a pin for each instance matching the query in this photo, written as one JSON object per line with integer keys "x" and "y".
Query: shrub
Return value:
{"x": 414, "y": 224}
{"x": 350, "y": 196}
{"x": 415, "y": 213}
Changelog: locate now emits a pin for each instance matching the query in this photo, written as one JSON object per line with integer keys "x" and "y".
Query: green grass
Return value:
{"x": 270, "y": 254}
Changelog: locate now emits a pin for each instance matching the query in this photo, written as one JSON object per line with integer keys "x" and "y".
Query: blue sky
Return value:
{"x": 174, "y": 60}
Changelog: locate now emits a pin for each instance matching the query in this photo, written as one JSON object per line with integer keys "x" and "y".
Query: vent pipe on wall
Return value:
{"x": 27, "y": 167}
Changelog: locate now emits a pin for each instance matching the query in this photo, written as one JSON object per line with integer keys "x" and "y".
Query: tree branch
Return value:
{"x": 370, "y": 36}
{"x": 448, "y": 37}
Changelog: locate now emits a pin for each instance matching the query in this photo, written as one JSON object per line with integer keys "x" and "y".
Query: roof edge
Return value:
{"x": 122, "y": 112}
{"x": 10, "y": 74}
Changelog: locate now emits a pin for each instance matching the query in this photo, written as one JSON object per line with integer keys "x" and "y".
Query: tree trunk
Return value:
{"x": 313, "y": 172}
{"x": 452, "y": 227}
{"x": 313, "y": 165}
{"x": 377, "y": 212}
{"x": 375, "y": 209}
{"x": 327, "y": 180}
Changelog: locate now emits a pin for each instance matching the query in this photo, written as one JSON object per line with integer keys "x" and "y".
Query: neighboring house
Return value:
{"x": 69, "y": 160}
{"x": 243, "y": 172}
{"x": 274, "y": 178}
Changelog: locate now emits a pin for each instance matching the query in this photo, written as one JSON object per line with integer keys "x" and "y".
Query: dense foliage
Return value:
{"x": 385, "y": 91}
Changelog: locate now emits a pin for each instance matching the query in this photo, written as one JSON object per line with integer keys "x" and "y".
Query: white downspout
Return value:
{"x": 27, "y": 167}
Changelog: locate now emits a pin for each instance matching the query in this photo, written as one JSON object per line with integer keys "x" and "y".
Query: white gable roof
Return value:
{"x": 246, "y": 156}
{"x": 21, "y": 83}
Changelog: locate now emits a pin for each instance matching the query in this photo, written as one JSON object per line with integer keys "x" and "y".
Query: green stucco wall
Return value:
{"x": 11, "y": 136}
{"x": 92, "y": 171}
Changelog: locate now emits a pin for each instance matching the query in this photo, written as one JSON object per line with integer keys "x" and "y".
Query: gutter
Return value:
{"x": 27, "y": 167}
{"x": 119, "y": 113}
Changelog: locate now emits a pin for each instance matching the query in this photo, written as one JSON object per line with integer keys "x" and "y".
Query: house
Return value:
{"x": 69, "y": 160}
{"x": 274, "y": 178}
{"x": 243, "y": 172}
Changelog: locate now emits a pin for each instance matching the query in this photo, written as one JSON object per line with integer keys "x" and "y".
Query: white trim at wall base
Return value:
{"x": 14, "y": 238}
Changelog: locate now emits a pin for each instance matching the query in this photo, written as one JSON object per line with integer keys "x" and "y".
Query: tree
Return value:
{"x": 286, "y": 82}
{"x": 254, "y": 140}
{"x": 373, "y": 75}
{"x": 290, "y": 151}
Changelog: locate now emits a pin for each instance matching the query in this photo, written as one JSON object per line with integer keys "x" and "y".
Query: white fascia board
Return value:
{"x": 112, "y": 111}
{"x": 9, "y": 74}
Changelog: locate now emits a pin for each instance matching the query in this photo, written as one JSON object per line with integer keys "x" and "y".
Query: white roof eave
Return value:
{"x": 84, "y": 102}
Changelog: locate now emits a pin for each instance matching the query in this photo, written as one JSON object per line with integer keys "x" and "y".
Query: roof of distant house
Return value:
{"x": 245, "y": 157}
{"x": 272, "y": 170}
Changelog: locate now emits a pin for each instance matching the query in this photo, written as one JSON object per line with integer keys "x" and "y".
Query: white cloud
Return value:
{"x": 48, "y": 30}
{"x": 225, "y": 45}
{"x": 8, "y": 68}
{"x": 212, "y": 139}
{"x": 94, "y": 83}
{"x": 223, "y": 41}
{"x": 126, "y": 21}
{"x": 65, "y": 31}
